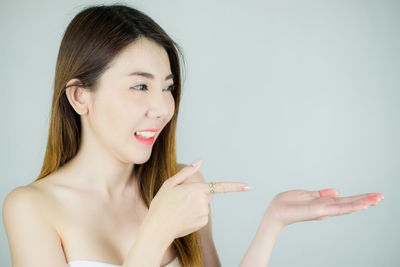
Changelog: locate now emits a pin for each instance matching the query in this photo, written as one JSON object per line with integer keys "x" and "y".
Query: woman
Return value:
{"x": 110, "y": 192}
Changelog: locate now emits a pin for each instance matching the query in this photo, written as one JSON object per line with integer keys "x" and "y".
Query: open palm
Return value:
{"x": 301, "y": 205}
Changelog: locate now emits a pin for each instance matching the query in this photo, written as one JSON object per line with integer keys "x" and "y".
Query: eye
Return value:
{"x": 143, "y": 87}
{"x": 172, "y": 87}
{"x": 140, "y": 87}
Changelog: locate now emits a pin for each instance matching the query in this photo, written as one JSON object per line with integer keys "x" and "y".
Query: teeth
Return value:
{"x": 146, "y": 134}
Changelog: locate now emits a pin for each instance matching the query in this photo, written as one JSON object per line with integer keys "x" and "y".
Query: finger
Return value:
{"x": 344, "y": 208}
{"x": 186, "y": 172}
{"x": 368, "y": 198}
{"x": 349, "y": 205}
{"x": 331, "y": 192}
{"x": 373, "y": 200}
{"x": 226, "y": 187}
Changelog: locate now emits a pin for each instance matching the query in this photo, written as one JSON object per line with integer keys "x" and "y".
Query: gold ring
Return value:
{"x": 212, "y": 187}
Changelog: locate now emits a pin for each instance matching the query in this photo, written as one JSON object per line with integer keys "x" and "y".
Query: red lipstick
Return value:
{"x": 146, "y": 141}
{"x": 149, "y": 130}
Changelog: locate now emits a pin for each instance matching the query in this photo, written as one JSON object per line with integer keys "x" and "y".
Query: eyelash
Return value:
{"x": 171, "y": 87}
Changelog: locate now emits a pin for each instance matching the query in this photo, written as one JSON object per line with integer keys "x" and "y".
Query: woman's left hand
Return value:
{"x": 301, "y": 205}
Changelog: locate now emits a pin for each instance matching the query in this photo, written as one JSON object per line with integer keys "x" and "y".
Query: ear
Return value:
{"x": 77, "y": 96}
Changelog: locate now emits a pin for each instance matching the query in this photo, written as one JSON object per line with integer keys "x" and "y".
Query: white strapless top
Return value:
{"x": 87, "y": 263}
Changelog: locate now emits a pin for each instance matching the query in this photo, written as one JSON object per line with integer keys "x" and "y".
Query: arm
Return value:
{"x": 144, "y": 247}
{"x": 33, "y": 241}
{"x": 209, "y": 252}
{"x": 296, "y": 206}
{"x": 259, "y": 252}
{"x": 149, "y": 247}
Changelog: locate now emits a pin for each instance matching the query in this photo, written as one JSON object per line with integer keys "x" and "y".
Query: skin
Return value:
{"x": 297, "y": 206}
{"x": 103, "y": 165}
{"x": 83, "y": 203}
{"x": 76, "y": 210}
{"x": 109, "y": 151}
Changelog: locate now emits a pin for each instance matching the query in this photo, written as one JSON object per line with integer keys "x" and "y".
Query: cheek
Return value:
{"x": 127, "y": 114}
{"x": 112, "y": 120}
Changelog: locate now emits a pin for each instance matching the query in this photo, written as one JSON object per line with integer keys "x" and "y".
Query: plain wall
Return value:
{"x": 280, "y": 94}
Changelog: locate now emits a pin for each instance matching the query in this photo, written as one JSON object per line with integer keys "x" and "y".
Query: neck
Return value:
{"x": 99, "y": 170}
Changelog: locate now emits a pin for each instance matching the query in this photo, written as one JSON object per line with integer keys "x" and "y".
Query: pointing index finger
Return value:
{"x": 226, "y": 187}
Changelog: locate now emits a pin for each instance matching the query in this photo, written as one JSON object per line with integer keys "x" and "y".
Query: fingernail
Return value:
{"x": 196, "y": 163}
{"x": 374, "y": 199}
{"x": 247, "y": 188}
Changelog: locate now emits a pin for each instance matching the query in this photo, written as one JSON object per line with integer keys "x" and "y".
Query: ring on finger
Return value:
{"x": 212, "y": 187}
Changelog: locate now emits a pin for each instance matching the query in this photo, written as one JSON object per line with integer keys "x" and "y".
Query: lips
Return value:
{"x": 146, "y": 141}
{"x": 149, "y": 130}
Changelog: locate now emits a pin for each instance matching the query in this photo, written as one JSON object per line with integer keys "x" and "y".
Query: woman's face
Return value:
{"x": 125, "y": 103}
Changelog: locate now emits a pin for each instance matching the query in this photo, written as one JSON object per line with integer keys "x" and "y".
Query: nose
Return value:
{"x": 159, "y": 105}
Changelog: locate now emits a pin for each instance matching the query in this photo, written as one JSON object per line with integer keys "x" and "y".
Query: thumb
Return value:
{"x": 328, "y": 192}
{"x": 186, "y": 172}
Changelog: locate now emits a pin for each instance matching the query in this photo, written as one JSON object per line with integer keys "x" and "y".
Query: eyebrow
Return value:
{"x": 149, "y": 75}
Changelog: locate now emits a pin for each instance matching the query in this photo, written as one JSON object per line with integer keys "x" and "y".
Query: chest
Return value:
{"x": 99, "y": 231}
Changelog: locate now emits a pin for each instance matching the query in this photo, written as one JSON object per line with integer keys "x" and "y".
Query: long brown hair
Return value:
{"x": 92, "y": 39}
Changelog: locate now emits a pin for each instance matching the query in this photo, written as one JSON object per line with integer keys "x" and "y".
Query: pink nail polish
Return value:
{"x": 328, "y": 193}
{"x": 373, "y": 199}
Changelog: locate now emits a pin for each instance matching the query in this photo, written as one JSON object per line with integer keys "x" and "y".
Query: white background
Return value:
{"x": 280, "y": 94}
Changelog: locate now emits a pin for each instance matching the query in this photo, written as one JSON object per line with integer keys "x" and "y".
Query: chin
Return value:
{"x": 141, "y": 160}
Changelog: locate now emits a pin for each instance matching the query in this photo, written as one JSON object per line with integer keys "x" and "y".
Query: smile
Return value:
{"x": 146, "y": 136}
{"x": 143, "y": 140}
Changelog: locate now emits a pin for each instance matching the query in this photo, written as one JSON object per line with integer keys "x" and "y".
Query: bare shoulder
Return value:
{"x": 197, "y": 177}
{"x": 32, "y": 239}
{"x": 29, "y": 201}
{"x": 34, "y": 196}
{"x": 21, "y": 198}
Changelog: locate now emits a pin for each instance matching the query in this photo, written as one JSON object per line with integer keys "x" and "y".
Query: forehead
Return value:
{"x": 144, "y": 55}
